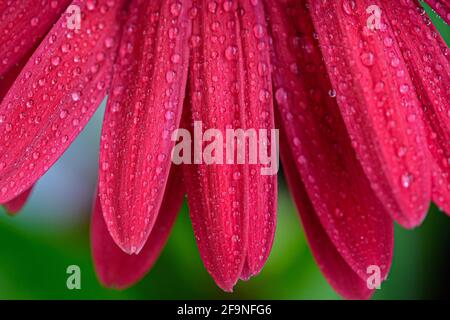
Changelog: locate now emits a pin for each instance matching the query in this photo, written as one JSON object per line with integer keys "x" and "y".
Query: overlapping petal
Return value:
{"x": 427, "y": 58}
{"x": 55, "y": 95}
{"x": 259, "y": 109}
{"x": 232, "y": 206}
{"x": 377, "y": 100}
{"x": 6, "y": 81}
{"x": 114, "y": 267}
{"x": 337, "y": 271}
{"x": 23, "y": 24}
{"x": 143, "y": 110}
{"x": 342, "y": 209}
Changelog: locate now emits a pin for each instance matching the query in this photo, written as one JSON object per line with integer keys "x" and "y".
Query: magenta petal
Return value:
{"x": 262, "y": 188}
{"x": 427, "y": 57}
{"x": 55, "y": 95}
{"x": 23, "y": 23}
{"x": 377, "y": 100}
{"x": 15, "y": 205}
{"x": 144, "y": 108}
{"x": 315, "y": 136}
{"x": 117, "y": 269}
{"x": 232, "y": 205}
{"x": 336, "y": 270}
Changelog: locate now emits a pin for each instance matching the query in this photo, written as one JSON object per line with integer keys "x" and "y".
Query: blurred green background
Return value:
{"x": 52, "y": 233}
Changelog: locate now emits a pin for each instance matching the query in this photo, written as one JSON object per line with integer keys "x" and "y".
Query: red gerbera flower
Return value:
{"x": 363, "y": 112}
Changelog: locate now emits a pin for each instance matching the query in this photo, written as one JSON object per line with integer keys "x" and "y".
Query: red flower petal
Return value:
{"x": 23, "y": 24}
{"x": 120, "y": 270}
{"x": 232, "y": 206}
{"x": 335, "y": 269}
{"x": 55, "y": 95}
{"x": 442, "y": 8}
{"x": 262, "y": 188}
{"x": 427, "y": 58}
{"x": 341, "y": 198}
{"x": 377, "y": 101}
{"x": 16, "y": 204}
{"x": 144, "y": 108}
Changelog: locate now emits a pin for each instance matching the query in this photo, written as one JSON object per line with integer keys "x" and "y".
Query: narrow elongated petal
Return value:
{"x": 6, "y": 81}
{"x": 377, "y": 100}
{"x": 144, "y": 108}
{"x": 442, "y": 8}
{"x": 232, "y": 205}
{"x": 319, "y": 151}
{"x": 22, "y": 24}
{"x": 256, "y": 97}
{"x": 336, "y": 270}
{"x": 15, "y": 205}
{"x": 427, "y": 59}
{"x": 114, "y": 267}
{"x": 55, "y": 95}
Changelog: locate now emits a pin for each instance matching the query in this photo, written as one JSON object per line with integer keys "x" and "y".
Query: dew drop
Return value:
{"x": 367, "y": 58}
{"x": 170, "y": 76}
{"x": 258, "y": 31}
{"x": 56, "y": 60}
{"x": 406, "y": 180}
{"x": 34, "y": 21}
{"x": 63, "y": 114}
{"x": 281, "y": 96}
{"x": 404, "y": 88}
{"x": 231, "y": 53}
{"x": 175, "y": 9}
{"x": 76, "y": 96}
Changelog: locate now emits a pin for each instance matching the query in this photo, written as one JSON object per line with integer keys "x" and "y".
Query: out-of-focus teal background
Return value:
{"x": 52, "y": 233}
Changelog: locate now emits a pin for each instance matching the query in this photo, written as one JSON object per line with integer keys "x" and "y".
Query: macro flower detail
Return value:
{"x": 363, "y": 114}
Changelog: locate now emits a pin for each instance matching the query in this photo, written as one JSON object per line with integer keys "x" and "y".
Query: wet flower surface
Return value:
{"x": 363, "y": 111}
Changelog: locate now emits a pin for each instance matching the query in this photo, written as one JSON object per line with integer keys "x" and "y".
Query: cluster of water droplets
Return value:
{"x": 54, "y": 96}
{"x": 144, "y": 109}
{"x": 231, "y": 89}
{"x": 393, "y": 155}
{"x": 23, "y": 26}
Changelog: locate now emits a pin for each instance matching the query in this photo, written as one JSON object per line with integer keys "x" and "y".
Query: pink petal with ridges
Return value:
{"x": 117, "y": 269}
{"x": 263, "y": 188}
{"x": 320, "y": 151}
{"x": 23, "y": 24}
{"x": 336, "y": 270}
{"x": 143, "y": 110}
{"x": 427, "y": 58}
{"x": 6, "y": 81}
{"x": 377, "y": 100}
{"x": 230, "y": 89}
{"x": 55, "y": 95}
